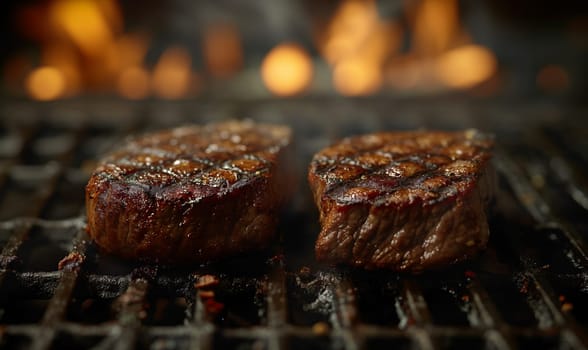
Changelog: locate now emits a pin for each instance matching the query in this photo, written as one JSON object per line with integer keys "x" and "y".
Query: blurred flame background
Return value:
{"x": 65, "y": 48}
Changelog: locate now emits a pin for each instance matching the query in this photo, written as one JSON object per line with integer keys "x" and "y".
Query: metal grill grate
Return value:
{"x": 528, "y": 290}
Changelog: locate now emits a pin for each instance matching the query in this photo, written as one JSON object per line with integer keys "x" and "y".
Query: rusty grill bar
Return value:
{"x": 528, "y": 290}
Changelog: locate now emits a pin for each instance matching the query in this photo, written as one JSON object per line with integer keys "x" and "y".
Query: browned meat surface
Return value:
{"x": 406, "y": 201}
{"x": 190, "y": 194}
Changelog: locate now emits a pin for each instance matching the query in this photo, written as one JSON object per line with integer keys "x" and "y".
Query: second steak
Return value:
{"x": 406, "y": 201}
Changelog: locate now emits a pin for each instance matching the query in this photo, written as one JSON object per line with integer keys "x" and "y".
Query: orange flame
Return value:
{"x": 222, "y": 49}
{"x": 407, "y": 73}
{"x": 441, "y": 54}
{"x": 65, "y": 59}
{"x": 360, "y": 47}
{"x": 96, "y": 52}
{"x": 133, "y": 83}
{"x": 357, "y": 43}
{"x": 356, "y": 77}
{"x": 435, "y": 26}
{"x": 287, "y": 70}
{"x": 352, "y": 24}
{"x": 466, "y": 66}
{"x": 124, "y": 52}
{"x": 84, "y": 23}
{"x": 46, "y": 83}
{"x": 173, "y": 74}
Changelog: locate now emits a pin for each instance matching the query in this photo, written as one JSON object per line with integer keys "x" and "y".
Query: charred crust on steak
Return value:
{"x": 217, "y": 155}
{"x": 190, "y": 194}
{"x": 368, "y": 188}
{"x": 378, "y": 167}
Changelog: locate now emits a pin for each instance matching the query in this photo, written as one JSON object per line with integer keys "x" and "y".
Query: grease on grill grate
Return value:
{"x": 57, "y": 291}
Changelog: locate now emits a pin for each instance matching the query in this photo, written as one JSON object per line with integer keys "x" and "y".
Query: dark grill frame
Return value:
{"x": 316, "y": 307}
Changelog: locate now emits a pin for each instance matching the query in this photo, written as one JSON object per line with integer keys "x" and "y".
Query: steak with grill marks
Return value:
{"x": 406, "y": 201}
{"x": 190, "y": 194}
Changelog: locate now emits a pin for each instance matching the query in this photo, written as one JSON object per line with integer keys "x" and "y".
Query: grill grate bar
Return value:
{"x": 346, "y": 305}
{"x": 563, "y": 168}
{"x": 9, "y": 255}
{"x": 202, "y": 329}
{"x": 529, "y": 198}
{"x": 366, "y": 330}
{"x": 499, "y": 332}
{"x": 486, "y": 313}
{"x": 276, "y": 307}
{"x": 536, "y": 205}
{"x": 571, "y": 331}
{"x": 346, "y": 313}
{"x": 417, "y": 309}
{"x": 70, "y": 267}
{"x": 131, "y": 306}
{"x": 10, "y": 250}
{"x": 566, "y": 173}
{"x": 276, "y": 301}
{"x": 419, "y": 317}
{"x": 58, "y": 304}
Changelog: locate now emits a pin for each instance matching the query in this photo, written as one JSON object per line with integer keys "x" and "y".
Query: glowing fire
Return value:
{"x": 352, "y": 24}
{"x": 125, "y": 52}
{"x": 82, "y": 39}
{"x": 466, "y": 66}
{"x": 435, "y": 26}
{"x": 356, "y": 44}
{"x": 133, "y": 83}
{"x": 172, "y": 74}
{"x": 84, "y": 46}
{"x": 408, "y": 72}
{"x": 287, "y": 70}
{"x": 85, "y": 22}
{"x": 222, "y": 50}
{"x": 356, "y": 77}
{"x": 363, "y": 49}
{"x": 441, "y": 53}
{"x": 63, "y": 58}
{"x": 46, "y": 83}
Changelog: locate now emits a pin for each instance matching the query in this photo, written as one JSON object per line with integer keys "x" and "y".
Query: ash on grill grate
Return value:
{"x": 528, "y": 290}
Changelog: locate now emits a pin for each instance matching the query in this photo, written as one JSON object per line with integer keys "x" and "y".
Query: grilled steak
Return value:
{"x": 190, "y": 194}
{"x": 406, "y": 201}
